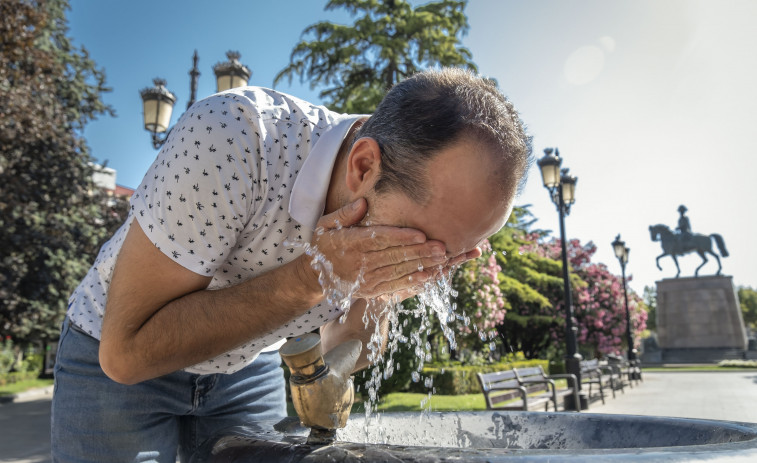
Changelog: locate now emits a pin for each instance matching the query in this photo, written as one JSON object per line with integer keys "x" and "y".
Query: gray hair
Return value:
{"x": 432, "y": 110}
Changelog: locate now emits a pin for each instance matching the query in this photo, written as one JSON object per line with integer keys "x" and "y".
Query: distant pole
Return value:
{"x": 194, "y": 75}
{"x": 570, "y": 331}
{"x": 622, "y": 252}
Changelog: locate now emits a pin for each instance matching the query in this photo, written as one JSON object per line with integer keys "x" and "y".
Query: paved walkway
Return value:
{"x": 25, "y": 429}
{"x": 729, "y": 395}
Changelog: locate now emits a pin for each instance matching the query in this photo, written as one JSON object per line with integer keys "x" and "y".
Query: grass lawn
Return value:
{"x": 695, "y": 368}
{"x": 22, "y": 386}
{"x": 400, "y": 402}
{"x": 411, "y": 402}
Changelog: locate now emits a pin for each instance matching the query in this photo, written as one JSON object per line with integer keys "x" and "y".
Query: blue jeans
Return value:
{"x": 95, "y": 419}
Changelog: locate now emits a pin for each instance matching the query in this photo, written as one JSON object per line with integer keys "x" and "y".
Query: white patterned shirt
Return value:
{"x": 241, "y": 173}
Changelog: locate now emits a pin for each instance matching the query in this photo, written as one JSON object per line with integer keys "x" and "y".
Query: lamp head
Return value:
{"x": 550, "y": 167}
{"x": 232, "y": 73}
{"x": 157, "y": 105}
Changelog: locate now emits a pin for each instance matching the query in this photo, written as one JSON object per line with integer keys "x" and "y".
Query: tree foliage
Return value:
{"x": 388, "y": 41}
{"x": 650, "y": 301}
{"x": 748, "y": 301}
{"x": 527, "y": 311}
{"x": 50, "y": 216}
{"x": 598, "y": 301}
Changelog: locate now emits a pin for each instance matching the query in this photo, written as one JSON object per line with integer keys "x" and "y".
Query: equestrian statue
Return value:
{"x": 684, "y": 242}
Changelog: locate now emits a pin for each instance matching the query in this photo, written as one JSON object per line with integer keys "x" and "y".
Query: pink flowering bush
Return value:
{"x": 599, "y": 305}
{"x": 512, "y": 297}
{"x": 480, "y": 297}
{"x": 501, "y": 299}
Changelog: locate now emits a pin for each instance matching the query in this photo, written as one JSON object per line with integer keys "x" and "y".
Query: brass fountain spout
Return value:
{"x": 321, "y": 386}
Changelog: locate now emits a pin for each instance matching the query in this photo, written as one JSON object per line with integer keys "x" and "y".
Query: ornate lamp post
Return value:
{"x": 562, "y": 187}
{"x": 231, "y": 73}
{"x": 158, "y": 101}
{"x": 621, "y": 252}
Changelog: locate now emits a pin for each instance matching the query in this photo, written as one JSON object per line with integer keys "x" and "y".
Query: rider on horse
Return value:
{"x": 684, "y": 226}
{"x": 683, "y": 242}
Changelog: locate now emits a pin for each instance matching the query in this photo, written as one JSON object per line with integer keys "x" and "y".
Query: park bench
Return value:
{"x": 502, "y": 387}
{"x": 630, "y": 370}
{"x": 536, "y": 375}
{"x": 593, "y": 374}
{"x": 531, "y": 387}
{"x": 616, "y": 375}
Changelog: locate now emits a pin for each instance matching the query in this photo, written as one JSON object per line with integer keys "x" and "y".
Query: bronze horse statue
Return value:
{"x": 673, "y": 244}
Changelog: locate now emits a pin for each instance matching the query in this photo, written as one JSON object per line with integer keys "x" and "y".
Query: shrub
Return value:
{"x": 32, "y": 363}
{"x": 738, "y": 364}
{"x": 461, "y": 379}
{"x": 7, "y": 356}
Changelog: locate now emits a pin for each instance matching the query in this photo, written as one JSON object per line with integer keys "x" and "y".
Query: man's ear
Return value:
{"x": 363, "y": 166}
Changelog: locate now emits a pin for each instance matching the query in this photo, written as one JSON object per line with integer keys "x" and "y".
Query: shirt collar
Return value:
{"x": 308, "y": 198}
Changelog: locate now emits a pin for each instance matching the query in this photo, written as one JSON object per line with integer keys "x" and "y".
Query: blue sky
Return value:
{"x": 651, "y": 103}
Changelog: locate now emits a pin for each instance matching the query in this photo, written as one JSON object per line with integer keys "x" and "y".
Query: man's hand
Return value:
{"x": 384, "y": 259}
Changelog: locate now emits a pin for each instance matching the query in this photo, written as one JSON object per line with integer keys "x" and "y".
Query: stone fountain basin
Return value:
{"x": 492, "y": 437}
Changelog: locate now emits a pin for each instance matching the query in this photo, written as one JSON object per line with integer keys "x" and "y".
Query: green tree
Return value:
{"x": 650, "y": 301}
{"x": 389, "y": 40}
{"x": 748, "y": 301}
{"x": 519, "y": 317}
{"x": 50, "y": 215}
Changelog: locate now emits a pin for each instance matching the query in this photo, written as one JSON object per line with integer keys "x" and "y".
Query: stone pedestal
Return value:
{"x": 699, "y": 313}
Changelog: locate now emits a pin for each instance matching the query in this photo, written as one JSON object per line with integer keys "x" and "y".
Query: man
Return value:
{"x": 173, "y": 334}
{"x": 684, "y": 226}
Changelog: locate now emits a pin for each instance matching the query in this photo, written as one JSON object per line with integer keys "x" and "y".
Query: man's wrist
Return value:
{"x": 307, "y": 279}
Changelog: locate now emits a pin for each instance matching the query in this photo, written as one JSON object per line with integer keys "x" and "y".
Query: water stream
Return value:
{"x": 435, "y": 301}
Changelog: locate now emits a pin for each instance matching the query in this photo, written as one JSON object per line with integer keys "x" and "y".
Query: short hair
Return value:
{"x": 433, "y": 109}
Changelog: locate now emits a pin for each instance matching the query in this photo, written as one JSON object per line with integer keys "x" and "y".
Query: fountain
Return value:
{"x": 492, "y": 436}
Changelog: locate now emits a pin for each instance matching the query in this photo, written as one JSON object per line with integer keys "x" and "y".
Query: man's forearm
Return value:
{"x": 206, "y": 323}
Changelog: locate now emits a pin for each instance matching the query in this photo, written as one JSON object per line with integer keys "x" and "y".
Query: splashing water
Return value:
{"x": 338, "y": 292}
{"x": 434, "y": 301}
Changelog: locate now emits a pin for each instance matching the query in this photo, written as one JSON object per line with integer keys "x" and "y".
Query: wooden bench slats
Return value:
{"x": 531, "y": 385}
{"x": 592, "y": 373}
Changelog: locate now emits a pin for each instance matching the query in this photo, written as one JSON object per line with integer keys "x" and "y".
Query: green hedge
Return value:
{"x": 461, "y": 379}
{"x": 17, "y": 377}
{"x": 28, "y": 368}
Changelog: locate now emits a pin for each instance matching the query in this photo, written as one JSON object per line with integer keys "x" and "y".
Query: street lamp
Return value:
{"x": 158, "y": 101}
{"x": 231, "y": 73}
{"x": 562, "y": 188}
{"x": 621, "y": 252}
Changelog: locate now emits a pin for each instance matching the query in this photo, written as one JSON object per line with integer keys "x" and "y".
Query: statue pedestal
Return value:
{"x": 699, "y": 318}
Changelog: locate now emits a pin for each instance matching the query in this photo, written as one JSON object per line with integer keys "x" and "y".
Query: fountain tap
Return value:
{"x": 321, "y": 386}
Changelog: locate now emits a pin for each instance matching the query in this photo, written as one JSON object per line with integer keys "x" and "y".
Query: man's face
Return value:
{"x": 466, "y": 203}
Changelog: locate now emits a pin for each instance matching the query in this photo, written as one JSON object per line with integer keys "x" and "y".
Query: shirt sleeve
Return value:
{"x": 197, "y": 196}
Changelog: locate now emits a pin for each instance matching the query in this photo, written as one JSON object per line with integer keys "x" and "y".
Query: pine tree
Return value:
{"x": 389, "y": 40}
